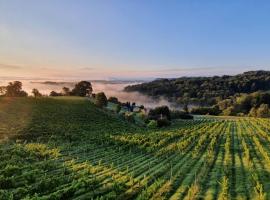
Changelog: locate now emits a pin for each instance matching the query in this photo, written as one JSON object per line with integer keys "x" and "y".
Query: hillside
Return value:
{"x": 204, "y": 90}
{"x": 66, "y": 148}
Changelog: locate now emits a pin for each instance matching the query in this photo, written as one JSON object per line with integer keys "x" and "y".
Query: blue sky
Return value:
{"x": 132, "y": 39}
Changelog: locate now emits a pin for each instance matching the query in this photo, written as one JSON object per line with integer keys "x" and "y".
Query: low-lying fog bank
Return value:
{"x": 111, "y": 88}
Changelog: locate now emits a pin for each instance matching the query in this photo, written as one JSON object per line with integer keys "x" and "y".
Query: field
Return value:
{"x": 66, "y": 148}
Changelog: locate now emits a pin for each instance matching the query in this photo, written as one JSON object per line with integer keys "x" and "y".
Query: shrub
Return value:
{"x": 36, "y": 93}
{"x": 113, "y": 100}
{"x": 129, "y": 117}
{"x": 55, "y": 94}
{"x": 139, "y": 119}
{"x": 206, "y": 110}
{"x": 101, "y": 99}
{"x": 152, "y": 124}
{"x": 118, "y": 108}
{"x": 263, "y": 111}
{"x": 66, "y": 91}
{"x": 163, "y": 122}
{"x": 253, "y": 112}
{"x": 176, "y": 114}
{"x": 83, "y": 88}
{"x": 160, "y": 111}
{"x": 142, "y": 116}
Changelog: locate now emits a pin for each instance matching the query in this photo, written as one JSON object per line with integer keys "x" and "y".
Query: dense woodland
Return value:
{"x": 204, "y": 90}
{"x": 245, "y": 94}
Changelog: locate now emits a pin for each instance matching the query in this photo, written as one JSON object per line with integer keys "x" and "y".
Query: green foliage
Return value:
{"x": 82, "y": 89}
{"x": 13, "y": 89}
{"x": 163, "y": 122}
{"x": 113, "y": 100}
{"x": 259, "y": 194}
{"x": 66, "y": 91}
{"x": 55, "y": 94}
{"x": 205, "y": 90}
{"x": 224, "y": 184}
{"x": 160, "y": 112}
{"x": 205, "y": 110}
{"x": 101, "y": 99}
{"x": 67, "y": 148}
{"x": 129, "y": 116}
{"x": 246, "y": 104}
{"x": 118, "y": 108}
{"x": 152, "y": 124}
{"x": 176, "y": 114}
{"x": 263, "y": 111}
{"x": 36, "y": 93}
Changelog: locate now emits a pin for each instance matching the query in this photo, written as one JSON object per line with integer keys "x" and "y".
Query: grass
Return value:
{"x": 66, "y": 148}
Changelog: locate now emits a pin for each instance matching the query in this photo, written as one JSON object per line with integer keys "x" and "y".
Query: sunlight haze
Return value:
{"x": 132, "y": 39}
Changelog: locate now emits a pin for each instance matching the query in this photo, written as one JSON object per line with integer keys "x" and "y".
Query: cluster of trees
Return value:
{"x": 163, "y": 116}
{"x": 13, "y": 89}
{"x": 83, "y": 88}
{"x": 100, "y": 99}
{"x": 255, "y": 105}
{"x": 204, "y": 91}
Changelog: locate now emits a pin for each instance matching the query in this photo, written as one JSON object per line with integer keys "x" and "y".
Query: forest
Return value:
{"x": 242, "y": 94}
{"x": 204, "y": 90}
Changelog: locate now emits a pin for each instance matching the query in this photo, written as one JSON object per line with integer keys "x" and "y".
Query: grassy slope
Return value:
{"x": 35, "y": 119}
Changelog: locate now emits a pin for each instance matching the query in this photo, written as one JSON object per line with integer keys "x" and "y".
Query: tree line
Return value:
{"x": 204, "y": 91}
{"x": 256, "y": 104}
{"x": 14, "y": 89}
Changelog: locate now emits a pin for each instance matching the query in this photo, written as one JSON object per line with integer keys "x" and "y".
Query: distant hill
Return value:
{"x": 204, "y": 90}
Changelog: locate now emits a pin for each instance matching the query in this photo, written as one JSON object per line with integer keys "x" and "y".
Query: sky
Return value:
{"x": 132, "y": 39}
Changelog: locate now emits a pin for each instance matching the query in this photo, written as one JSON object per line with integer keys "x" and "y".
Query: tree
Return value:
{"x": 36, "y": 93}
{"x": 83, "y": 88}
{"x": 253, "y": 112}
{"x": 229, "y": 111}
{"x": 263, "y": 111}
{"x": 14, "y": 89}
{"x": 160, "y": 112}
{"x": 185, "y": 108}
{"x": 204, "y": 91}
{"x": 3, "y": 90}
{"x": 55, "y": 94}
{"x": 65, "y": 91}
{"x": 113, "y": 100}
{"x": 101, "y": 99}
{"x": 118, "y": 108}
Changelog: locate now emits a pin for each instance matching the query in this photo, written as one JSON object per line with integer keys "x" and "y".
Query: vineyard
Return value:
{"x": 66, "y": 148}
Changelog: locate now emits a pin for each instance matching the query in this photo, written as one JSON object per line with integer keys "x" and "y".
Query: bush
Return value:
{"x": 113, "y": 100}
{"x": 206, "y": 110}
{"x": 55, "y": 94}
{"x": 129, "y": 117}
{"x": 36, "y": 93}
{"x": 139, "y": 119}
{"x": 83, "y": 88}
{"x": 118, "y": 108}
{"x": 230, "y": 111}
{"x": 142, "y": 116}
{"x": 101, "y": 100}
{"x": 263, "y": 111}
{"x": 253, "y": 112}
{"x": 160, "y": 111}
{"x": 163, "y": 122}
{"x": 176, "y": 114}
{"x": 152, "y": 124}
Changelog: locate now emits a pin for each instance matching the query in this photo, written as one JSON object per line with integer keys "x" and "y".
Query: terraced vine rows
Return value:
{"x": 96, "y": 156}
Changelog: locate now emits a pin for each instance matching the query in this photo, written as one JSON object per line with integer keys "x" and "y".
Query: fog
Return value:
{"x": 110, "y": 88}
